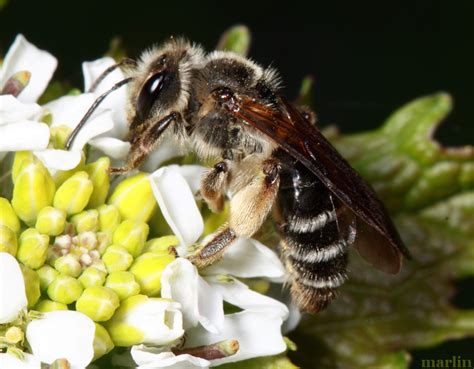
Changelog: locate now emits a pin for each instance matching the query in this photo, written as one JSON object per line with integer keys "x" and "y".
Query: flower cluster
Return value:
{"x": 87, "y": 266}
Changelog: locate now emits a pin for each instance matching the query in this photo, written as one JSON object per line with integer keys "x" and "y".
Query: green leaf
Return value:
{"x": 269, "y": 362}
{"x": 236, "y": 39}
{"x": 429, "y": 190}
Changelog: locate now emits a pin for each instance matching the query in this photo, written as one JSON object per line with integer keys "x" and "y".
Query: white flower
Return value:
{"x": 257, "y": 328}
{"x": 143, "y": 319}
{"x": 20, "y": 128}
{"x": 62, "y": 334}
{"x": 58, "y": 334}
{"x": 28, "y": 361}
{"x": 12, "y": 289}
{"x": 181, "y": 282}
{"x": 23, "y": 56}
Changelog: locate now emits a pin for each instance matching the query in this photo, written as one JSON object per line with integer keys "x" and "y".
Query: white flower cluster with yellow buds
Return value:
{"x": 85, "y": 269}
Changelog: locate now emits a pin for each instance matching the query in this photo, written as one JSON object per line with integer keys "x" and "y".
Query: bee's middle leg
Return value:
{"x": 249, "y": 208}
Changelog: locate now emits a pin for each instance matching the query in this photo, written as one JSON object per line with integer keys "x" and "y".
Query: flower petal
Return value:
{"x": 239, "y": 294}
{"x": 199, "y": 302}
{"x": 192, "y": 174}
{"x": 113, "y": 147}
{"x": 62, "y": 334}
{"x": 69, "y": 110}
{"x": 23, "y": 55}
{"x": 13, "y": 110}
{"x": 211, "y": 307}
{"x": 248, "y": 258}
{"x": 12, "y": 289}
{"x": 24, "y": 136}
{"x": 143, "y": 319}
{"x": 258, "y": 334}
{"x": 154, "y": 357}
{"x": 99, "y": 124}
{"x": 178, "y": 206}
{"x": 166, "y": 150}
{"x": 293, "y": 319}
{"x": 179, "y": 282}
{"x": 116, "y": 101}
{"x": 59, "y": 159}
{"x": 8, "y": 361}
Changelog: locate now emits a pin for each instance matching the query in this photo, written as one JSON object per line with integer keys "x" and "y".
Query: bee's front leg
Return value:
{"x": 249, "y": 208}
{"x": 145, "y": 143}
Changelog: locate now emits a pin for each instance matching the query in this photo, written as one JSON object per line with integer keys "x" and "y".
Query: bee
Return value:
{"x": 269, "y": 158}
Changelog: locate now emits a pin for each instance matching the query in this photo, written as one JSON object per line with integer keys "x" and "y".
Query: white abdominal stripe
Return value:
{"x": 331, "y": 281}
{"x": 301, "y": 253}
{"x": 298, "y": 224}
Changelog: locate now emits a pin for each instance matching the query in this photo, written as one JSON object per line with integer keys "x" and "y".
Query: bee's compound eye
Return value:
{"x": 149, "y": 94}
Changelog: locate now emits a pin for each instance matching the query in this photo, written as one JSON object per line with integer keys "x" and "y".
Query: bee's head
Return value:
{"x": 161, "y": 81}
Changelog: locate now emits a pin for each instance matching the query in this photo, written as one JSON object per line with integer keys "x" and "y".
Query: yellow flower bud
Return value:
{"x": 60, "y": 364}
{"x": 51, "y": 221}
{"x": 33, "y": 248}
{"x": 147, "y": 269}
{"x": 64, "y": 289}
{"x": 102, "y": 342}
{"x": 74, "y": 194}
{"x": 104, "y": 240}
{"x": 86, "y": 221}
{"x": 109, "y": 218}
{"x": 8, "y": 217}
{"x": 131, "y": 235}
{"x": 8, "y": 241}
{"x": 98, "y": 303}
{"x": 68, "y": 265}
{"x": 123, "y": 283}
{"x": 21, "y": 156}
{"x": 134, "y": 198}
{"x": 59, "y": 135}
{"x": 92, "y": 276}
{"x": 34, "y": 189}
{"x": 14, "y": 335}
{"x": 99, "y": 174}
{"x": 161, "y": 245}
{"x": 116, "y": 258}
{"x": 46, "y": 274}
{"x": 32, "y": 285}
{"x": 46, "y": 305}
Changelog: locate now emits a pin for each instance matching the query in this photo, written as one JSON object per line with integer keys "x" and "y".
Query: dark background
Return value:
{"x": 367, "y": 58}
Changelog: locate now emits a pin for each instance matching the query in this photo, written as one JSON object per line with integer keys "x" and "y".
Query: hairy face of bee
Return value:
{"x": 161, "y": 81}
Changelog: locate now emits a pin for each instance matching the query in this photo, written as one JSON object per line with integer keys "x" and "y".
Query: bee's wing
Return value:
{"x": 377, "y": 238}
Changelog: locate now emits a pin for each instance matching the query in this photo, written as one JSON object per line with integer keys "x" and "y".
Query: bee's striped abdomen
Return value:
{"x": 313, "y": 245}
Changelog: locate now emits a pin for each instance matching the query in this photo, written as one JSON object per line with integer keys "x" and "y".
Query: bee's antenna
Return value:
{"x": 105, "y": 73}
{"x": 91, "y": 110}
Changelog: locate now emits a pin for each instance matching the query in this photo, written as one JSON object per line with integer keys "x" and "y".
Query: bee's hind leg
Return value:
{"x": 143, "y": 143}
{"x": 249, "y": 208}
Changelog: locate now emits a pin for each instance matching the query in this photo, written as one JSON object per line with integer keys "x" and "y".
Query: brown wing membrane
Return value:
{"x": 377, "y": 241}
